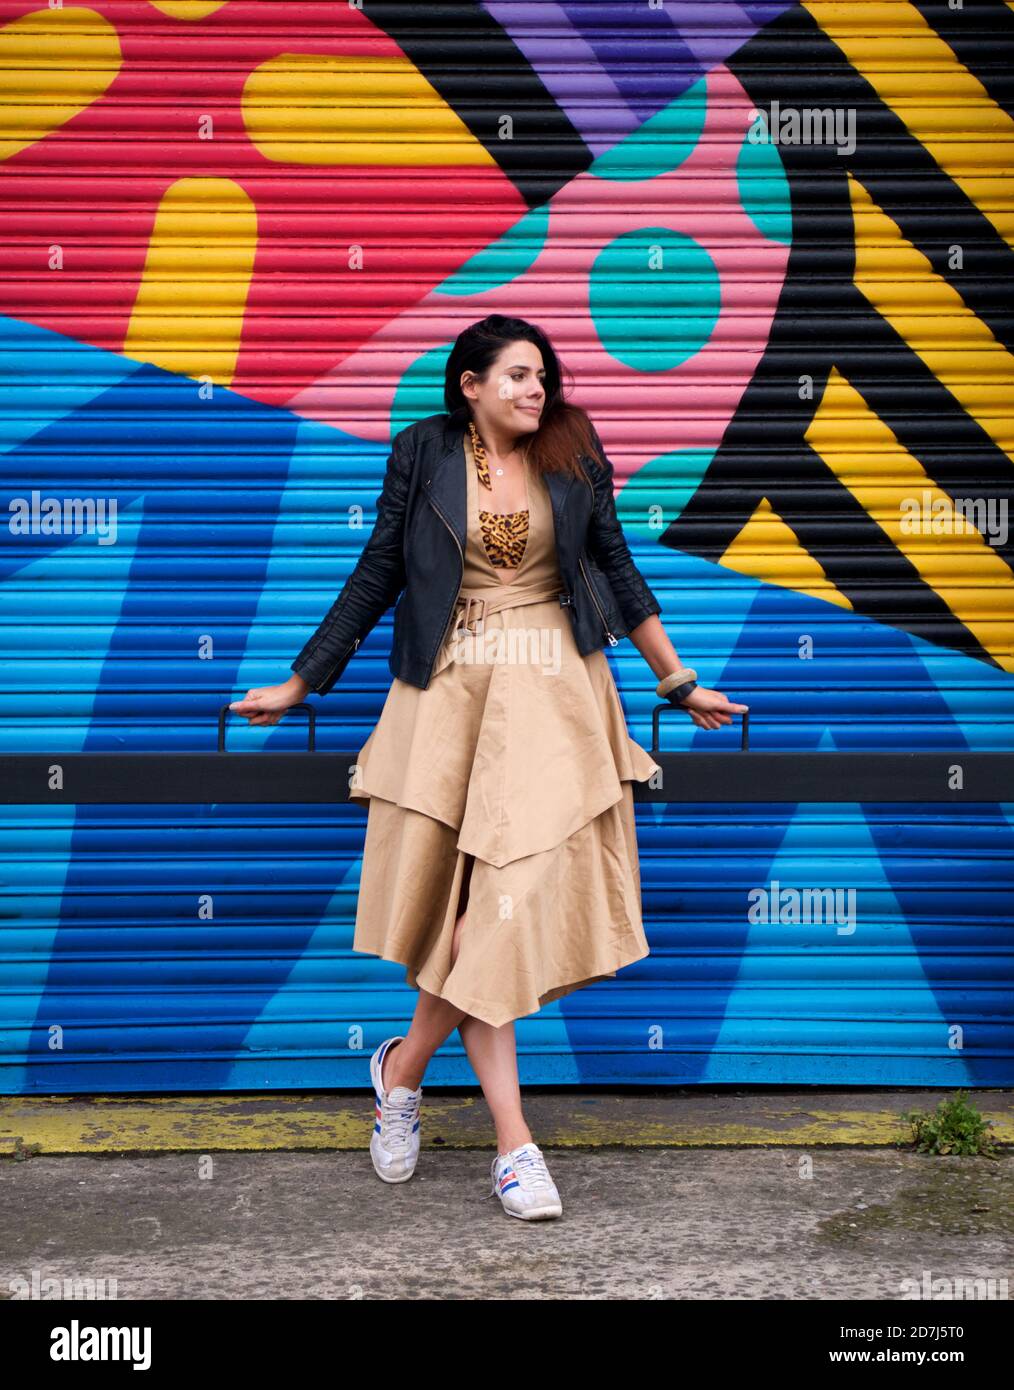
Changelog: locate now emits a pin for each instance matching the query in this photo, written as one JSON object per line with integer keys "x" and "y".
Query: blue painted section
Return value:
{"x": 208, "y": 947}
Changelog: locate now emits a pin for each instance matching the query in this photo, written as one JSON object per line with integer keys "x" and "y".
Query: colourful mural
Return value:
{"x": 771, "y": 242}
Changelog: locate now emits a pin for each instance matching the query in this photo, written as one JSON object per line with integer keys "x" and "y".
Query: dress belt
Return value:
{"x": 473, "y": 605}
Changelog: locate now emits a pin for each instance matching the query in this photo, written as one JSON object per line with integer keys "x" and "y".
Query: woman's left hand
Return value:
{"x": 709, "y": 709}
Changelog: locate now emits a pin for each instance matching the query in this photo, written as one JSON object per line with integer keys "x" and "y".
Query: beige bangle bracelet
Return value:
{"x": 675, "y": 678}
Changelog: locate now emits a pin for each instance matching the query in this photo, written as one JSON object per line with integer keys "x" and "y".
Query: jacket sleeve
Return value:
{"x": 374, "y": 584}
{"x": 608, "y": 547}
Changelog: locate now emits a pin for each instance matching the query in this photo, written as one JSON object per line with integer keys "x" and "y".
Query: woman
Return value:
{"x": 500, "y": 863}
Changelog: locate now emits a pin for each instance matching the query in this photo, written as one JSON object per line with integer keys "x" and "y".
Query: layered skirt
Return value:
{"x": 516, "y": 755}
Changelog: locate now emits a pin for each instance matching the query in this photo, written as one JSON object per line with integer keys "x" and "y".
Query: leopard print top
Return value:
{"x": 504, "y": 534}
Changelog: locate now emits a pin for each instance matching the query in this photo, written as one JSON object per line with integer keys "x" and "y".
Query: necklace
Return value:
{"x": 481, "y": 461}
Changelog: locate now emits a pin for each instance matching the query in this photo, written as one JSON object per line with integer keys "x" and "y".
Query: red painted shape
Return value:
{"x": 93, "y": 187}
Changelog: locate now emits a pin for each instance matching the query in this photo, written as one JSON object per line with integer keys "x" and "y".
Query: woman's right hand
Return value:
{"x": 267, "y": 703}
{"x": 709, "y": 709}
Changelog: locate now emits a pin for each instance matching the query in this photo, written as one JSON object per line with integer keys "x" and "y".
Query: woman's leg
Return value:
{"x": 493, "y": 1055}
{"x": 491, "y": 1051}
{"x": 433, "y": 1021}
{"x": 494, "y": 1058}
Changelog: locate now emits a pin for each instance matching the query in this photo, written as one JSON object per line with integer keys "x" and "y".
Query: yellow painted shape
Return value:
{"x": 927, "y": 311}
{"x": 960, "y": 566}
{"x": 188, "y": 9}
{"x": 188, "y": 314}
{"x": 353, "y": 109}
{"x": 259, "y": 1123}
{"x": 53, "y": 65}
{"x": 767, "y": 549}
{"x": 940, "y": 102}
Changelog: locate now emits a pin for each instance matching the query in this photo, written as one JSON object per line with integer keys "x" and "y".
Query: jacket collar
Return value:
{"x": 447, "y": 484}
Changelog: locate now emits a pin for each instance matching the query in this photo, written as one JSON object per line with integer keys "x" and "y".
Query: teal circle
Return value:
{"x": 655, "y": 296}
{"x": 504, "y": 260}
{"x": 763, "y": 187}
{"x": 664, "y": 483}
{"x": 662, "y": 143}
{"x": 420, "y": 392}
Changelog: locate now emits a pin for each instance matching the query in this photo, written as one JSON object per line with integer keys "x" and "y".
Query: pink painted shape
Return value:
{"x": 639, "y": 415}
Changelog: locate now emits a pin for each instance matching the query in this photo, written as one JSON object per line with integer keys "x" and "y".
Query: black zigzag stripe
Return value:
{"x": 925, "y": 418}
{"x": 794, "y": 62}
{"x": 832, "y": 525}
{"x": 482, "y": 75}
{"x": 981, "y": 36}
{"x": 821, "y": 321}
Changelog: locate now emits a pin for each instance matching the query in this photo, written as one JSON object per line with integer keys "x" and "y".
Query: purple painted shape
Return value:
{"x": 640, "y": 48}
{"x": 613, "y": 64}
{"x": 570, "y": 70}
{"x": 763, "y": 11}
{"x": 712, "y": 31}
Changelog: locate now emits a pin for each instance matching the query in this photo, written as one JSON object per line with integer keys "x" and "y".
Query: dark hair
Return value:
{"x": 565, "y": 431}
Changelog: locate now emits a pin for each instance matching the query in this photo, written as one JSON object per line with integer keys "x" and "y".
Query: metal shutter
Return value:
{"x": 237, "y": 242}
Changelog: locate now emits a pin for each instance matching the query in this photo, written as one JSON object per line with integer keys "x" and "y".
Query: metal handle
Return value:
{"x": 311, "y": 728}
{"x": 744, "y": 744}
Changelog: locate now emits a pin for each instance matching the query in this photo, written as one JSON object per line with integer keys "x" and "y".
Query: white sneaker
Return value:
{"x": 525, "y": 1188}
{"x": 394, "y": 1143}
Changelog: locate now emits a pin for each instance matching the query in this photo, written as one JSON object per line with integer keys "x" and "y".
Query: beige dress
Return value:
{"x": 516, "y": 753}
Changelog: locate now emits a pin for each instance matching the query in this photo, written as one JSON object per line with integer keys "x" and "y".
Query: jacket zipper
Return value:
{"x": 461, "y": 556}
{"x": 613, "y": 641}
{"x": 334, "y": 668}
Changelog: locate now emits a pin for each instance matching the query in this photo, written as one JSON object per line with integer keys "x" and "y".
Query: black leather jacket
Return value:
{"x": 416, "y": 550}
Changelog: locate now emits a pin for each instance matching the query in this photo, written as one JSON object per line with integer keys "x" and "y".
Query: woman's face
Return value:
{"x": 513, "y": 395}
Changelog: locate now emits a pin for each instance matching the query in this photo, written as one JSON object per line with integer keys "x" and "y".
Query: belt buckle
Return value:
{"x": 465, "y": 616}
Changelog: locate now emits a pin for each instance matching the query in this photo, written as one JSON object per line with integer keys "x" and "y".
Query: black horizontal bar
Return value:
{"x": 200, "y": 778}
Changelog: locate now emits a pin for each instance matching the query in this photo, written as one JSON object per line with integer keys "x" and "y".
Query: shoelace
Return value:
{"x": 397, "y": 1121}
{"x": 530, "y": 1167}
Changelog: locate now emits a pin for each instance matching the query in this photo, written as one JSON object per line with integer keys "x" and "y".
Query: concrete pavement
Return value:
{"x": 669, "y": 1194}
